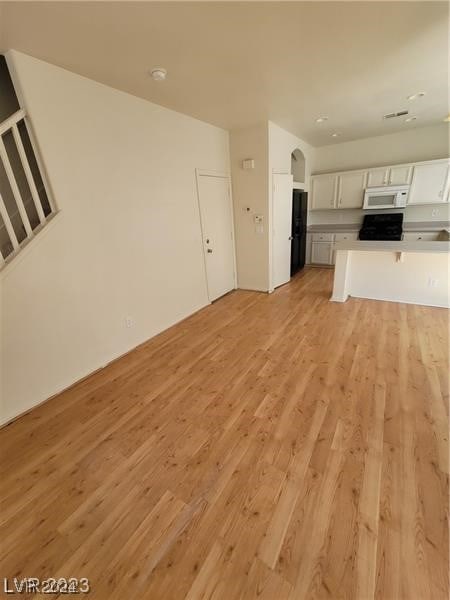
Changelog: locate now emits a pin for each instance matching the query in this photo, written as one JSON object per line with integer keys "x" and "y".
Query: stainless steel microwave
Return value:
{"x": 388, "y": 196}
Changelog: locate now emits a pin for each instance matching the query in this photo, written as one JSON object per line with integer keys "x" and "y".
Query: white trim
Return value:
{"x": 198, "y": 174}
{"x": 209, "y": 173}
{"x": 248, "y": 288}
{"x": 400, "y": 301}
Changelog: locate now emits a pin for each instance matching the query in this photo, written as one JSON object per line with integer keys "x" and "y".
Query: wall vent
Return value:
{"x": 400, "y": 113}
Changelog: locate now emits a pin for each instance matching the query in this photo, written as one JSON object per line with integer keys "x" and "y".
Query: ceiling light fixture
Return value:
{"x": 409, "y": 119}
{"x": 415, "y": 96}
{"x": 321, "y": 119}
{"x": 447, "y": 119}
{"x": 158, "y": 74}
{"x": 335, "y": 134}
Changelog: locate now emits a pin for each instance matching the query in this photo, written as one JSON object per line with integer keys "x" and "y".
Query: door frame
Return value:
{"x": 271, "y": 236}
{"x": 208, "y": 173}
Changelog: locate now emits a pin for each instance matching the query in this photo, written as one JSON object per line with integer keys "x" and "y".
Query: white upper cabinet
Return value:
{"x": 323, "y": 192}
{"x": 351, "y": 189}
{"x": 377, "y": 177}
{"x": 429, "y": 183}
{"x": 400, "y": 175}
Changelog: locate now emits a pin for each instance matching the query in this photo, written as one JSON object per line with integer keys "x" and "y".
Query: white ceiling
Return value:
{"x": 234, "y": 64}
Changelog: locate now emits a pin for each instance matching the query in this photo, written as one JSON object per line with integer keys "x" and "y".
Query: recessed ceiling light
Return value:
{"x": 321, "y": 119}
{"x": 447, "y": 119}
{"x": 335, "y": 134}
{"x": 415, "y": 96}
{"x": 158, "y": 73}
{"x": 409, "y": 119}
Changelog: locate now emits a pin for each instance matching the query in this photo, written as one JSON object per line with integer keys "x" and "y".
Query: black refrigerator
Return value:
{"x": 298, "y": 239}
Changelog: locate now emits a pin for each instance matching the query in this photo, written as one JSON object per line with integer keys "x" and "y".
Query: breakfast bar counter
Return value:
{"x": 415, "y": 272}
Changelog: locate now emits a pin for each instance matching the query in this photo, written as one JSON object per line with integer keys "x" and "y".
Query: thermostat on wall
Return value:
{"x": 248, "y": 163}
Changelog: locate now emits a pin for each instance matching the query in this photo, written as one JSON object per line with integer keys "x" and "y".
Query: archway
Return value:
{"x": 298, "y": 165}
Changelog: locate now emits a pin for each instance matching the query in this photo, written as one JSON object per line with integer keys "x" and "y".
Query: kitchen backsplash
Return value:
{"x": 429, "y": 213}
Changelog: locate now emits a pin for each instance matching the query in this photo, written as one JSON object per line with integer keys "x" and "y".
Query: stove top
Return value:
{"x": 382, "y": 227}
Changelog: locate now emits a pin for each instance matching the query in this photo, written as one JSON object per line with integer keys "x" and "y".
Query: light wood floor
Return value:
{"x": 272, "y": 447}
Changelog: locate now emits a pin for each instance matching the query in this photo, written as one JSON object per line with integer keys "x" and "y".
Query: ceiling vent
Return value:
{"x": 401, "y": 113}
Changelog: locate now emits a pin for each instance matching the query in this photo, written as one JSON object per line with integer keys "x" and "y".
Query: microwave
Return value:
{"x": 387, "y": 196}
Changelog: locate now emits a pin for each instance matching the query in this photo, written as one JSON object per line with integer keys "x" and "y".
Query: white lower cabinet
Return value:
{"x": 322, "y": 248}
{"x": 321, "y": 253}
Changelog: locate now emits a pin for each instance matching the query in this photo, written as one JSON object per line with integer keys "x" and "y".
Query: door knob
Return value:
{"x": 290, "y": 237}
{"x": 209, "y": 251}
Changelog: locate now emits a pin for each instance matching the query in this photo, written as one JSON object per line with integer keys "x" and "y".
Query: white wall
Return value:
{"x": 413, "y": 145}
{"x": 281, "y": 145}
{"x": 127, "y": 240}
{"x": 250, "y": 191}
{"x": 270, "y": 146}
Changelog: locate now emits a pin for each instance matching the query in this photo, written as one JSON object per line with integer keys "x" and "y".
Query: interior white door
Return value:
{"x": 282, "y": 229}
{"x": 217, "y": 230}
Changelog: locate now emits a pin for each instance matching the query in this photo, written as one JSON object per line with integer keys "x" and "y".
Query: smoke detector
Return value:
{"x": 158, "y": 74}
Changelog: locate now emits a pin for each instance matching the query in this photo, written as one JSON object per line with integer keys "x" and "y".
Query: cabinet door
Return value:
{"x": 427, "y": 236}
{"x": 349, "y": 237}
{"x": 321, "y": 253}
{"x": 351, "y": 189}
{"x": 429, "y": 184}
{"x": 377, "y": 177}
{"x": 323, "y": 192}
{"x": 308, "y": 249}
{"x": 400, "y": 175}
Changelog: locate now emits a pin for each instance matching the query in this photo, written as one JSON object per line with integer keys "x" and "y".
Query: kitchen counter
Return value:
{"x": 414, "y": 272}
